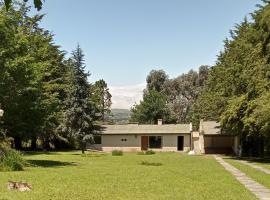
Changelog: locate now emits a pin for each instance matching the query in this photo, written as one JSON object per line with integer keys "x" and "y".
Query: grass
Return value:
{"x": 69, "y": 175}
{"x": 256, "y": 175}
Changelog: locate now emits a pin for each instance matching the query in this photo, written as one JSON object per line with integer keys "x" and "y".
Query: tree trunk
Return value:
{"x": 83, "y": 145}
{"x": 46, "y": 144}
{"x": 18, "y": 143}
{"x": 33, "y": 143}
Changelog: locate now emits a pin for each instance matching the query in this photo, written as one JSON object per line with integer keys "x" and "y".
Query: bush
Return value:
{"x": 10, "y": 160}
{"x": 117, "y": 153}
{"x": 150, "y": 163}
{"x": 149, "y": 152}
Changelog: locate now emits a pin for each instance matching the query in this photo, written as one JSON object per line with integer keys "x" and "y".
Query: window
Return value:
{"x": 155, "y": 142}
{"x": 123, "y": 140}
{"x": 97, "y": 139}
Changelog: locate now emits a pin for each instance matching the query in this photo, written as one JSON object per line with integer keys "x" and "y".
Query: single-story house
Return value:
{"x": 162, "y": 137}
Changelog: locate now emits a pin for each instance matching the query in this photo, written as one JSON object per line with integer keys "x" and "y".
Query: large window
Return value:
{"x": 97, "y": 139}
{"x": 155, "y": 142}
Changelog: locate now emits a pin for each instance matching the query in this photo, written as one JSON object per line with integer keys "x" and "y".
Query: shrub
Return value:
{"x": 149, "y": 152}
{"x": 10, "y": 160}
{"x": 150, "y": 163}
{"x": 117, "y": 153}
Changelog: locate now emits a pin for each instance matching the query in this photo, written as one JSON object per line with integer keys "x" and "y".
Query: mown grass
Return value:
{"x": 256, "y": 175}
{"x": 68, "y": 175}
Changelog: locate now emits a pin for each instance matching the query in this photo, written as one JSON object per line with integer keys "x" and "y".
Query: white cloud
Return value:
{"x": 125, "y": 96}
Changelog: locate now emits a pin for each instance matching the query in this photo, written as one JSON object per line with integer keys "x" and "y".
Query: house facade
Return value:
{"x": 162, "y": 137}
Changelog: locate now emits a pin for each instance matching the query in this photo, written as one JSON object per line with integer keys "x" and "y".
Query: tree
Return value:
{"x": 183, "y": 91}
{"x": 151, "y": 108}
{"x": 155, "y": 80}
{"x": 102, "y": 98}
{"x": 38, "y": 4}
{"x": 79, "y": 112}
{"x": 239, "y": 83}
{"x": 19, "y": 74}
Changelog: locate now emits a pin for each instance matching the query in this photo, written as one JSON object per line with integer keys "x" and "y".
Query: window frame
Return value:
{"x": 100, "y": 139}
{"x": 155, "y": 146}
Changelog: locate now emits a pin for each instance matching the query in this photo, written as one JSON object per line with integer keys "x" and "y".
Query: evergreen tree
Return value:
{"x": 78, "y": 122}
{"x": 102, "y": 98}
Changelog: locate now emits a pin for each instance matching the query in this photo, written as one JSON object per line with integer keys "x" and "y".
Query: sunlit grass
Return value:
{"x": 69, "y": 175}
{"x": 256, "y": 175}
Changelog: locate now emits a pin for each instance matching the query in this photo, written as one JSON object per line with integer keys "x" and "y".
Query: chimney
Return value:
{"x": 159, "y": 122}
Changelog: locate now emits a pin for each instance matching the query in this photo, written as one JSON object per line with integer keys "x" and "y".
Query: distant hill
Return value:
{"x": 120, "y": 116}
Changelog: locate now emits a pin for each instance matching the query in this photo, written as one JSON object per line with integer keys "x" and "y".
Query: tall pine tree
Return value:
{"x": 78, "y": 121}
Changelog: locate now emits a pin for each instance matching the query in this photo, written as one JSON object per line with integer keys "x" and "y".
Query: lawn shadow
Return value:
{"x": 49, "y": 163}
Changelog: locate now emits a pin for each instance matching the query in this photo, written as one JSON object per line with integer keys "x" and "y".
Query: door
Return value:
{"x": 144, "y": 143}
{"x": 180, "y": 143}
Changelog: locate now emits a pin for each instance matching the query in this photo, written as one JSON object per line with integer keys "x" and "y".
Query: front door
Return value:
{"x": 180, "y": 143}
{"x": 144, "y": 143}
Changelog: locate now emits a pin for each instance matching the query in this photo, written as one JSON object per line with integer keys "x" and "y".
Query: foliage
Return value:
{"x": 180, "y": 94}
{"x": 102, "y": 98}
{"x": 151, "y": 108}
{"x": 38, "y": 4}
{"x": 10, "y": 160}
{"x": 237, "y": 90}
{"x": 38, "y": 85}
{"x": 79, "y": 112}
{"x": 148, "y": 152}
{"x": 183, "y": 91}
{"x": 156, "y": 80}
{"x": 117, "y": 153}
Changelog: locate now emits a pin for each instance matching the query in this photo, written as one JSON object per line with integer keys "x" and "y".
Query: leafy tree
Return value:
{"x": 239, "y": 83}
{"x": 38, "y": 3}
{"x": 79, "y": 112}
{"x": 18, "y": 80}
{"x": 155, "y": 80}
{"x": 102, "y": 98}
{"x": 183, "y": 91}
{"x": 151, "y": 108}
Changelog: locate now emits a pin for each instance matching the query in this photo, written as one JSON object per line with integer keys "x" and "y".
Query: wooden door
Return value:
{"x": 144, "y": 143}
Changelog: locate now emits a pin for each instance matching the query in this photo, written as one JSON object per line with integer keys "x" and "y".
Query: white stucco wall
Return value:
{"x": 133, "y": 142}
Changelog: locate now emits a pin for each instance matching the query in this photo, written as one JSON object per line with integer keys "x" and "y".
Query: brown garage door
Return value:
{"x": 219, "y": 144}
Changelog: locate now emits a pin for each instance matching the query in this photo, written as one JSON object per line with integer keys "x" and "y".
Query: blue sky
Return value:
{"x": 124, "y": 39}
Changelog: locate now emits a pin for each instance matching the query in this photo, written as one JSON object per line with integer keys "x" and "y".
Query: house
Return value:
{"x": 210, "y": 139}
{"x": 140, "y": 137}
{"x": 163, "y": 137}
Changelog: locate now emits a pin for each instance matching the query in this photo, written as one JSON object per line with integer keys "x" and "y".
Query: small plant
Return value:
{"x": 11, "y": 160}
{"x": 149, "y": 152}
{"x": 150, "y": 163}
{"x": 117, "y": 153}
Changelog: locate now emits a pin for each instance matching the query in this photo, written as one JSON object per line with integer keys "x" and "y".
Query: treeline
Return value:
{"x": 170, "y": 99}
{"x": 47, "y": 98}
{"x": 235, "y": 91}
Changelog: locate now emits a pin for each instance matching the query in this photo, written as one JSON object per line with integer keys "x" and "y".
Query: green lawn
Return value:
{"x": 256, "y": 175}
{"x": 68, "y": 175}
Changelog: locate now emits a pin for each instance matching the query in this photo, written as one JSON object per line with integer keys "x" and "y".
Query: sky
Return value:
{"x": 123, "y": 40}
